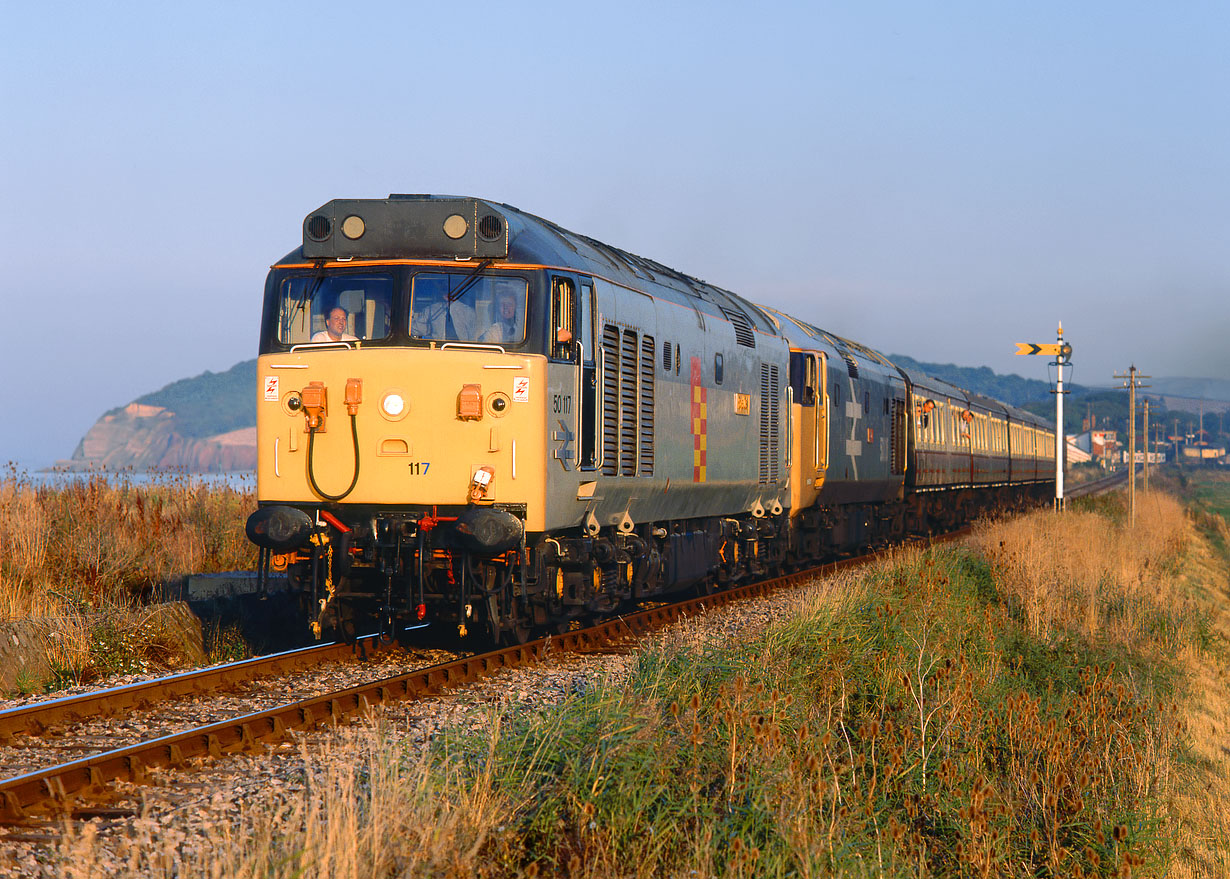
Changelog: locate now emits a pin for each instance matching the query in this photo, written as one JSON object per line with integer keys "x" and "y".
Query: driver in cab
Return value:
{"x": 335, "y": 327}
{"x": 504, "y": 327}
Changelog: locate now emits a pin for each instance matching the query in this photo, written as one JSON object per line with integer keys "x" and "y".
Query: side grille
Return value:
{"x": 646, "y": 457}
{"x": 610, "y": 400}
{"x": 627, "y": 404}
{"x": 851, "y": 365}
{"x": 666, "y": 356}
{"x": 769, "y": 433}
{"x": 743, "y": 327}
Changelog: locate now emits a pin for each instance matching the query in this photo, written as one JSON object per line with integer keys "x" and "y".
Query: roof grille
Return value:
{"x": 851, "y": 365}
{"x": 743, "y": 327}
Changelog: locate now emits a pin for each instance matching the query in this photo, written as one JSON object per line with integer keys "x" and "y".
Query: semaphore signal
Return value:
{"x": 1062, "y": 352}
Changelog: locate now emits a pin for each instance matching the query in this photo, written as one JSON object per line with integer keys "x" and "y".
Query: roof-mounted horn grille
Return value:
{"x": 318, "y": 227}
{"x": 490, "y": 227}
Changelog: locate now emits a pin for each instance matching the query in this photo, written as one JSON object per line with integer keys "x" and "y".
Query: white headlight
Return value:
{"x": 393, "y": 405}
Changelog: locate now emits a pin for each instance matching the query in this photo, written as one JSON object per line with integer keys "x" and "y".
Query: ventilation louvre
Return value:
{"x": 743, "y": 327}
{"x": 610, "y": 400}
{"x": 627, "y": 402}
{"x": 769, "y": 428}
{"x": 647, "y": 375}
{"x": 898, "y": 437}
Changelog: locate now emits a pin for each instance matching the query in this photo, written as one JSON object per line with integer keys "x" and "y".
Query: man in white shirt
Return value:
{"x": 335, "y": 327}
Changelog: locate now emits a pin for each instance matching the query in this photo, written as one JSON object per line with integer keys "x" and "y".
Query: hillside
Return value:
{"x": 203, "y": 424}
{"x": 1217, "y": 389}
{"x": 210, "y": 403}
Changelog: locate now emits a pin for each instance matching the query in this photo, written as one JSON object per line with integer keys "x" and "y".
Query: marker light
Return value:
{"x": 455, "y": 226}
{"x": 393, "y": 405}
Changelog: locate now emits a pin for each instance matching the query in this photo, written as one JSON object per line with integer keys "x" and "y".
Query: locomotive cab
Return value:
{"x": 401, "y": 425}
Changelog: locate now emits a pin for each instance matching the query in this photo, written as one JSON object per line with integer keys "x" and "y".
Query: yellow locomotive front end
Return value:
{"x": 401, "y": 420}
{"x": 388, "y": 427}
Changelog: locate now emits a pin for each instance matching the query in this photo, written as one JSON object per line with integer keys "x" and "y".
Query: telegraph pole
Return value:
{"x": 1146, "y": 444}
{"x": 1133, "y": 382}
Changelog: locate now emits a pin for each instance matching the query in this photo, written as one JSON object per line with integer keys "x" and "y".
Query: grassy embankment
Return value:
{"x": 84, "y": 557}
{"x": 1047, "y": 699}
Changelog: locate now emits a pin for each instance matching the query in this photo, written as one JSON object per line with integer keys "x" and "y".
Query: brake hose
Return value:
{"x": 354, "y": 433}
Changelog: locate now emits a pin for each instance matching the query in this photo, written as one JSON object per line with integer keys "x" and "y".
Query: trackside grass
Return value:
{"x": 81, "y": 558}
{"x": 106, "y": 539}
{"x": 998, "y": 708}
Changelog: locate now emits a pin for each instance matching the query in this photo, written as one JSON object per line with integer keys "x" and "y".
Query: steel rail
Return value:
{"x": 37, "y": 718}
{"x": 1098, "y": 486}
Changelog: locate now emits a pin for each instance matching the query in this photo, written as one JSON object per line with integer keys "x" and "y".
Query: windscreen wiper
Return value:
{"x": 469, "y": 281}
{"x": 307, "y": 298}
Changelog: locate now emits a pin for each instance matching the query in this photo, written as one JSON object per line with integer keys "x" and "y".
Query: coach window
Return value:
{"x": 563, "y": 318}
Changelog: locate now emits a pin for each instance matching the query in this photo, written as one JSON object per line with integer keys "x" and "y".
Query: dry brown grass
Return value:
{"x": 360, "y": 809}
{"x": 1090, "y": 573}
{"x": 105, "y": 540}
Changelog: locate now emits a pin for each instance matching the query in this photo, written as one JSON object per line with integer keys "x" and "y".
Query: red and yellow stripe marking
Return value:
{"x": 700, "y": 430}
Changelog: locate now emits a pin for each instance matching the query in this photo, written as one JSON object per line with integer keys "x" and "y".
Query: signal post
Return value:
{"x": 1062, "y": 352}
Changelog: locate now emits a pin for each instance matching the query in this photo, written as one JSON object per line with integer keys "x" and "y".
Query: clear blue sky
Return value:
{"x": 940, "y": 180}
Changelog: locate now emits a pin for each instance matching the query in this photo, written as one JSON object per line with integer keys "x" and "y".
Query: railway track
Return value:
{"x": 40, "y": 717}
{"x": 74, "y": 787}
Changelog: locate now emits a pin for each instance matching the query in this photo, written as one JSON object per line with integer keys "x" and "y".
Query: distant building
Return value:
{"x": 1075, "y": 454}
{"x": 1098, "y": 444}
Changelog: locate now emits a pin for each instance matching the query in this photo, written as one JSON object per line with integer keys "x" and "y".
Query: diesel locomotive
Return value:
{"x": 471, "y": 417}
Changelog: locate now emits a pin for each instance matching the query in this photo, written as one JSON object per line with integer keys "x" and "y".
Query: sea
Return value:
{"x": 241, "y": 480}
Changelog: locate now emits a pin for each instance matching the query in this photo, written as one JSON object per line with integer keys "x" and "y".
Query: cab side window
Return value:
{"x": 563, "y": 319}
